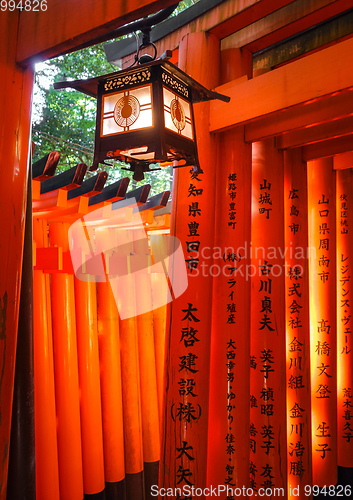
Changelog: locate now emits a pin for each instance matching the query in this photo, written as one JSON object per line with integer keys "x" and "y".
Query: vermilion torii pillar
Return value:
{"x": 344, "y": 228}
{"x": 184, "y": 447}
{"x": 323, "y": 316}
{"x": 297, "y": 323}
{"x": 15, "y": 110}
{"x": 228, "y": 429}
{"x": 267, "y": 348}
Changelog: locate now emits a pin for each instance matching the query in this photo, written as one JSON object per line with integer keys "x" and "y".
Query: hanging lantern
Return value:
{"x": 145, "y": 115}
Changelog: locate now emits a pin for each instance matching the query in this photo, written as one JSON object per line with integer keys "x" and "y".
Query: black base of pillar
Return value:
{"x": 344, "y": 479}
{"x": 151, "y": 478}
{"x": 135, "y": 486}
{"x": 345, "y": 476}
{"x": 115, "y": 491}
{"x": 96, "y": 496}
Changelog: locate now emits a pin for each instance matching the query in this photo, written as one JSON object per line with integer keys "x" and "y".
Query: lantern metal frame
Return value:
{"x": 160, "y": 143}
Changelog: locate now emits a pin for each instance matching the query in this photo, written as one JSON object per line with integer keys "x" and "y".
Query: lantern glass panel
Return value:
{"x": 127, "y": 110}
{"x": 177, "y": 114}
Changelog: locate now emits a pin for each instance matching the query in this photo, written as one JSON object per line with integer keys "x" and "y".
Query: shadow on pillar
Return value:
{"x": 345, "y": 476}
{"x": 21, "y": 483}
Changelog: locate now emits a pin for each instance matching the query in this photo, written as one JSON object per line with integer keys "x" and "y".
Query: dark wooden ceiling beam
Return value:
{"x": 304, "y": 22}
{"x": 295, "y": 118}
{"x": 331, "y": 147}
{"x": 316, "y": 133}
{"x": 66, "y": 25}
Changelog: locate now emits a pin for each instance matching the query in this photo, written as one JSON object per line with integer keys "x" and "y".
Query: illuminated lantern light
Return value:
{"x": 145, "y": 115}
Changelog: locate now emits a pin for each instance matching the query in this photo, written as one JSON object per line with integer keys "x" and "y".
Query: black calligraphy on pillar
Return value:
{"x": 187, "y": 410}
{"x": 192, "y": 246}
{"x": 322, "y": 347}
{"x": 346, "y": 411}
{"x": 231, "y": 260}
{"x": 295, "y": 376}
{"x": 265, "y": 199}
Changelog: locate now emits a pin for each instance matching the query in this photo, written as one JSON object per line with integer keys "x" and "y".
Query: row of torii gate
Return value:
{"x": 83, "y": 375}
{"x": 280, "y": 330}
{"x": 107, "y": 392}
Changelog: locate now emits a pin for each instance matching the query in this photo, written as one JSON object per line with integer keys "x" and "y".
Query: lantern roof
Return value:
{"x": 90, "y": 85}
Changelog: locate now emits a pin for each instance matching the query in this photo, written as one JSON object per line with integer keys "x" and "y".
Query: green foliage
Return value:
{"x": 184, "y": 5}
{"x": 64, "y": 120}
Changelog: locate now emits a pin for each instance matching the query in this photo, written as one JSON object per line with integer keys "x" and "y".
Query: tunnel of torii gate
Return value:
{"x": 243, "y": 383}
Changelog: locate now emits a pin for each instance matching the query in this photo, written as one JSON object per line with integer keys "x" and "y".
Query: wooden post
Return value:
{"x": 147, "y": 368}
{"x": 15, "y": 111}
{"x": 322, "y": 275}
{"x": 228, "y": 431}
{"x": 22, "y": 471}
{"x": 47, "y": 472}
{"x": 185, "y": 431}
{"x": 112, "y": 409}
{"x": 159, "y": 327}
{"x": 90, "y": 391}
{"x": 268, "y": 467}
{"x": 344, "y": 228}
{"x": 297, "y": 324}
{"x": 66, "y": 375}
{"x": 122, "y": 242}
{"x": 130, "y": 372}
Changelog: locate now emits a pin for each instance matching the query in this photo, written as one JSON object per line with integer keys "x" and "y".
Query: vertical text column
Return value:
{"x": 228, "y": 444}
{"x": 322, "y": 275}
{"x": 185, "y": 419}
{"x": 297, "y": 324}
{"x": 268, "y": 351}
{"x": 344, "y": 213}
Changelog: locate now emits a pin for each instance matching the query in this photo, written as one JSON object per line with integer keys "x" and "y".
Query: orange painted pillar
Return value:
{"x": 148, "y": 384}
{"x": 322, "y": 275}
{"x": 344, "y": 224}
{"x": 121, "y": 240}
{"x": 159, "y": 328}
{"x": 185, "y": 418}
{"x": 297, "y": 324}
{"x": 131, "y": 390}
{"x": 268, "y": 467}
{"x": 15, "y": 123}
{"x": 110, "y": 372}
{"x": 90, "y": 391}
{"x": 228, "y": 432}
{"x": 47, "y": 474}
{"x": 66, "y": 375}
{"x": 147, "y": 368}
